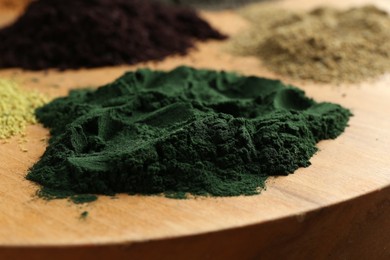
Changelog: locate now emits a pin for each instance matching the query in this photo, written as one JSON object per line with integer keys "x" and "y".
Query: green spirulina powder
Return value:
{"x": 186, "y": 131}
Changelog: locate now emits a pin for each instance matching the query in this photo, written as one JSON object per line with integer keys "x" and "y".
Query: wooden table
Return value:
{"x": 337, "y": 208}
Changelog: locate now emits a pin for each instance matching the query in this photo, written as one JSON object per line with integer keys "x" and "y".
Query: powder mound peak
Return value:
{"x": 74, "y": 34}
{"x": 184, "y": 131}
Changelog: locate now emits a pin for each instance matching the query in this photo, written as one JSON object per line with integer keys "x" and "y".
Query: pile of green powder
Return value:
{"x": 324, "y": 45}
{"x": 185, "y": 131}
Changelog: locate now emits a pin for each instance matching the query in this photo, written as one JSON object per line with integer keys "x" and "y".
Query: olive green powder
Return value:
{"x": 17, "y": 108}
{"x": 181, "y": 132}
{"x": 325, "y": 45}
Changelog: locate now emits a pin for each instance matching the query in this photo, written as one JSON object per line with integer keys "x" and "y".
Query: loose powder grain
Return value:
{"x": 74, "y": 34}
{"x": 324, "y": 45}
{"x": 185, "y": 131}
{"x": 17, "y": 108}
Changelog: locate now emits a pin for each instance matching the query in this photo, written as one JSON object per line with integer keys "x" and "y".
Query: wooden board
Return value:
{"x": 335, "y": 207}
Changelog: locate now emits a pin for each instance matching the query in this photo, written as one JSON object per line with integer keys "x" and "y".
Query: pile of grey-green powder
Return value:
{"x": 324, "y": 45}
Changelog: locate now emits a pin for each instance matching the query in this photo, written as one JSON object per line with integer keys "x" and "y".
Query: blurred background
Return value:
{"x": 204, "y": 4}
{"x": 213, "y": 4}
{"x": 13, "y": 4}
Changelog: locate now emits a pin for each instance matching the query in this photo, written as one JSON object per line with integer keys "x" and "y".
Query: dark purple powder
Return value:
{"x": 73, "y": 34}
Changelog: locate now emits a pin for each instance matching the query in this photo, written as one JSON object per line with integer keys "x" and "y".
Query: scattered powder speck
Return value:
{"x": 84, "y": 215}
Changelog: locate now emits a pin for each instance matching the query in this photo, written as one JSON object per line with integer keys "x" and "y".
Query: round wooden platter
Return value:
{"x": 337, "y": 207}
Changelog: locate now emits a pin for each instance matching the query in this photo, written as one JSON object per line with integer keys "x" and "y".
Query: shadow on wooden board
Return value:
{"x": 356, "y": 229}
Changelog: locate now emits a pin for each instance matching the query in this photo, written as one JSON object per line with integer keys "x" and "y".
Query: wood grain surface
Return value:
{"x": 336, "y": 208}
